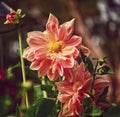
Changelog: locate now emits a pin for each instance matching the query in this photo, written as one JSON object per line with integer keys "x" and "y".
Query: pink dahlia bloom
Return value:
{"x": 54, "y": 49}
{"x": 72, "y": 93}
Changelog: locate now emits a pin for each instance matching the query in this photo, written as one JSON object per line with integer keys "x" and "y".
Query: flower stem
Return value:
{"x": 22, "y": 65}
{"x": 93, "y": 78}
{"x": 43, "y": 83}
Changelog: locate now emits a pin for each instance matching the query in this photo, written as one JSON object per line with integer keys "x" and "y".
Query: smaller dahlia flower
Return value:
{"x": 14, "y": 17}
{"x": 53, "y": 50}
{"x": 73, "y": 92}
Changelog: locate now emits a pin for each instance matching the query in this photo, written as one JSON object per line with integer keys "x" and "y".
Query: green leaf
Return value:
{"x": 31, "y": 73}
{"x": 86, "y": 101}
{"x": 87, "y": 105}
{"x": 5, "y": 103}
{"x": 96, "y": 111}
{"x": 101, "y": 61}
{"x": 17, "y": 111}
{"x": 42, "y": 108}
{"x": 37, "y": 92}
{"x": 46, "y": 87}
{"x": 104, "y": 70}
{"x": 11, "y": 116}
{"x": 31, "y": 112}
{"x": 15, "y": 66}
{"x": 87, "y": 62}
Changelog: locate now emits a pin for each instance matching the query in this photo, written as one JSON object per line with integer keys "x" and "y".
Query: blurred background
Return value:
{"x": 97, "y": 21}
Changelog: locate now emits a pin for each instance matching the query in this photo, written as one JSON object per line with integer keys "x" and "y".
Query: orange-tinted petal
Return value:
{"x": 68, "y": 63}
{"x": 66, "y": 30}
{"x": 52, "y": 76}
{"x": 52, "y": 25}
{"x": 85, "y": 50}
{"x": 36, "y": 39}
{"x": 74, "y": 41}
{"x": 44, "y": 67}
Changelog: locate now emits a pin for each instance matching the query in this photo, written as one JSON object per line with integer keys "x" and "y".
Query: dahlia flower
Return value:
{"x": 53, "y": 50}
{"x": 14, "y": 17}
{"x": 73, "y": 92}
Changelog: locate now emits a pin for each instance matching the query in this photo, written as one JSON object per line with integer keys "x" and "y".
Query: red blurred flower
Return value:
{"x": 73, "y": 92}
{"x": 2, "y": 74}
{"x": 54, "y": 49}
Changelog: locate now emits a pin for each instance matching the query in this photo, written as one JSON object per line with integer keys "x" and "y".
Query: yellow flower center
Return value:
{"x": 55, "y": 47}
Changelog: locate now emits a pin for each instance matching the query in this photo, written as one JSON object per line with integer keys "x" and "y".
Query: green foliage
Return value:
{"x": 104, "y": 70}
{"x": 87, "y": 62}
{"x": 86, "y": 102}
{"x": 42, "y": 108}
{"x": 11, "y": 116}
{"x": 112, "y": 112}
{"x": 96, "y": 111}
{"x": 5, "y": 103}
{"x": 37, "y": 92}
{"x": 31, "y": 73}
{"x": 90, "y": 109}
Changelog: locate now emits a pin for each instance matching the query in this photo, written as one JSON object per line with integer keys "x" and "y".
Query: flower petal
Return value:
{"x": 68, "y": 51}
{"x": 64, "y": 98}
{"x": 35, "y": 65}
{"x": 85, "y": 50}
{"x": 66, "y": 30}
{"x": 52, "y": 25}
{"x": 74, "y": 41}
{"x": 65, "y": 87}
{"x": 68, "y": 63}
{"x": 60, "y": 69}
{"x": 44, "y": 67}
{"x": 36, "y": 39}
{"x": 29, "y": 54}
{"x": 52, "y": 76}
{"x": 69, "y": 74}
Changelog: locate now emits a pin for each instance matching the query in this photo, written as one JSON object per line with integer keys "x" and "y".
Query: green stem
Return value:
{"x": 43, "y": 83}
{"x": 22, "y": 65}
{"x": 93, "y": 78}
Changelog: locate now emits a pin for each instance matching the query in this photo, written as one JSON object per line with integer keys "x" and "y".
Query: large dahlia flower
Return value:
{"x": 53, "y": 50}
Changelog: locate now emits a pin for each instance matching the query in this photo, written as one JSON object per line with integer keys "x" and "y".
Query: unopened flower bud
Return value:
{"x": 14, "y": 17}
{"x": 27, "y": 84}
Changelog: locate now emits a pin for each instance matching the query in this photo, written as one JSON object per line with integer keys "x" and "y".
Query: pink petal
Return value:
{"x": 50, "y": 37}
{"x": 68, "y": 63}
{"x": 35, "y": 65}
{"x": 36, "y": 39}
{"x": 68, "y": 51}
{"x": 66, "y": 30}
{"x": 44, "y": 67}
{"x": 40, "y": 53}
{"x": 60, "y": 69}
{"x": 52, "y": 76}
{"x": 99, "y": 86}
{"x": 64, "y": 98}
{"x": 65, "y": 87}
{"x": 75, "y": 53}
{"x": 52, "y": 25}
{"x": 69, "y": 74}
{"x": 74, "y": 41}
{"x": 85, "y": 50}
{"x": 29, "y": 54}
